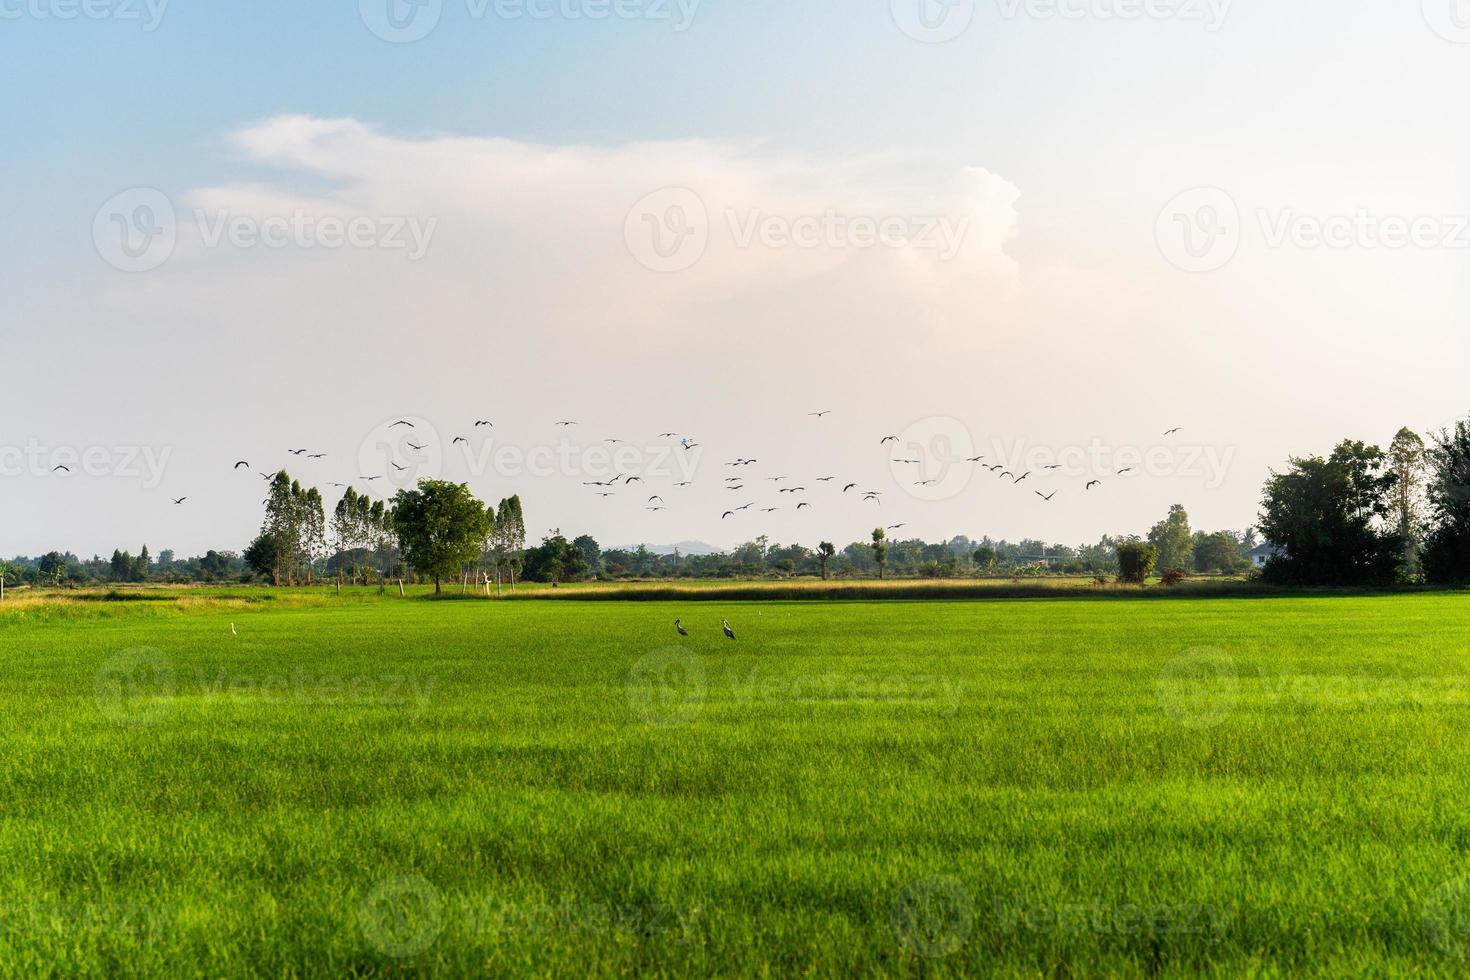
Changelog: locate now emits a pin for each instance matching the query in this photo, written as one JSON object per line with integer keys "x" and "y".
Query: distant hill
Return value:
{"x": 684, "y": 548}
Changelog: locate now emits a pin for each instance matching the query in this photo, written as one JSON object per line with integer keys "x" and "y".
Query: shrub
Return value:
{"x": 1136, "y": 561}
{"x": 1173, "y": 578}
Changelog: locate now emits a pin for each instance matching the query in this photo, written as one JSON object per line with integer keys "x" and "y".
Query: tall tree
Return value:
{"x": 1406, "y": 460}
{"x": 880, "y": 552}
{"x": 440, "y": 528}
{"x": 1447, "y": 545}
{"x": 1330, "y": 519}
{"x": 1174, "y": 541}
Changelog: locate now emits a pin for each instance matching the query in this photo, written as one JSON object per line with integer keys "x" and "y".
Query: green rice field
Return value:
{"x": 296, "y": 784}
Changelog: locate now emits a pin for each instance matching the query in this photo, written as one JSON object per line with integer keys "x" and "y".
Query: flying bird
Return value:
{"x": 655, "y": 509}
{"x": 1046, "y": 496}
{"x": 1126, "y": 469}
{"x": 769, "y": 510}
{"x": 1023, "y": 476}
{"x": 726, "y": 514}
{"x": 297, "y": 452}
{"x": 848, "y": 487}
{"x": 401, "y": 422}
{"x": 318, "y": 456}
{"x": 897, "y": 527}
{"x": 179, "y": 501}
{"x": 887, "y": 440}
{"x": 565, "y": 424}
{"x": 1094, "y": 483}
{"x": 458, "y": 440}
{"x": 416, "y": 447}
{"x": 655, "y": 497}
{"x": 1172, "y": 432}
{"x": 800, "y": 506}
{"x": 482, "y": 423}
{"x": 974, "y": 459}
{"x": 241, "y": 464}
{"x": 818, "y": 415}
{"x": 825, "y": 479}
{"x": 61, "y": 469}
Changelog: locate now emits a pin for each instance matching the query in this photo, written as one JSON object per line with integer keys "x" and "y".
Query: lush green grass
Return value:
{"x": 390, "y": 787}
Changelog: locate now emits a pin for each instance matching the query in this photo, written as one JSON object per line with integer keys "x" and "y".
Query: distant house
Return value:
{"x": 1262, "y": 553}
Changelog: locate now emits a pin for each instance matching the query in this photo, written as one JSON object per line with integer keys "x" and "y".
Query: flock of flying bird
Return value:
{"x": 656, "y": 503}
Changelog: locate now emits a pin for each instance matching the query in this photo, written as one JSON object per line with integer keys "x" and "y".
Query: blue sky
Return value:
{"x": 1062, "y": 136}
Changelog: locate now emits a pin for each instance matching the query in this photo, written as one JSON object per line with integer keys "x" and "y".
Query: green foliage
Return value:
{"x": 1329, "y": 517}
{"x": 880, "y": 551}
{"x": 1173, "y": 541}
{"x": 1136, "y": 560}
{"x": 440, "y": 528}
{"x": 556, "y": 560}
{"x": 1447, "y": 546}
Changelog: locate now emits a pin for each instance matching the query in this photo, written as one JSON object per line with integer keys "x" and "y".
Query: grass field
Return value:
{"x": 1065, "y": 786}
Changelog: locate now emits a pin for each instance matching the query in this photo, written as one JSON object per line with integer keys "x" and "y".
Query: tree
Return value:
{"x": 591, "y": 551}
{"x": 1218, "y": 552}
{"x": 1173, "y": 541}
{"x": 142, "y": 566}
{"x": 1330, "y": 518}
{"x": 263, "y": 556}
{"x": 555, "y": 560}
{"x": 880, "y": 552}
{"x": 440, "y": 528}
{"x": 1136, "y": 560}
{"x": 826, "y": 551}
{"x": 121, "y": 566}
{"x": 1446, "y": 553}
{"x": 985, "y": 557}
{"x": 1406, "y": 459}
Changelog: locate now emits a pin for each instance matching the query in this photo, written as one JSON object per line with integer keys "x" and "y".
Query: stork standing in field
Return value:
{"x": 725, "y": 625}
{"x": 679, "y": 625}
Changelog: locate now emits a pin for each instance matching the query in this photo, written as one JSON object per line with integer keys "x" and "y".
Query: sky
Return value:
{"x": 1043, "y": 232}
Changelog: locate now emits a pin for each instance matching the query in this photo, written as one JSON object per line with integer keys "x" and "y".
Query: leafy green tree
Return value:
{"x": 826, "y": 551}
{"x": 263, "y": 557}
{"x": 142, "y": 566}
{"x": 1406, "y": 460}
{"x": 1173, "y": 541}
{"x": 880, "y": 551}
{"x": 440, "y": 528}
{"x": 1330, "y": 519}
{"x": 1218, "y": 552}
{"x": 555, "y": 560}
{"x": 591, "y": 551}
{"x": 1447, "y": 546}
{"x": 985, "y": 558}
{"x": 1136, "y": 560}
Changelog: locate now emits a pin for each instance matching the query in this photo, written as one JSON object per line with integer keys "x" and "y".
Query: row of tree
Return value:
{"x": 1363, "y": 516}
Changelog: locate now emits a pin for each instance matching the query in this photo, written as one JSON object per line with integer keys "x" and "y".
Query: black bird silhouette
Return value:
{"x": 746, "y": 507}
{"x": 655, "y": 497}
{"x": 726, "y": 514}
{"x": 416, "y": 447}
{"x": 819, "y": 415}
{"x": 565, "y": 424}
{"x": 242, "y": 463}
{"x": 482, "y": 423}
{"x": 1055, "y": 466}
{"x": 800, "y": 506}
{"x": 897, "y": 527}
{"x": 887, "y": 439}
{"x": 318, "y": 456}
{"x": 1173, "y": 432}
{"x": 458, "y": 440}
{"x": 1094, "y": 483}
{"x": 401, "y": 422}
{"x": 1126, "y": 469}
{"x": 179, "y": 501}
{"x": 297, "y": 452}
{"x": 1046, "y": 496}
{"x": 825, "y": 479}
{"x": 1023, "y": 476}
{"x": 61, "y": 469}
{"x": 974, "y": 459}
{"x": 686, "y": 483}
{"x": 655, "y": 508}
{"x": 848, "y": 487}
{"x": 667, "y": 435}
{"x": 1006, "y": 474}
{"x": 769, "y": 510}
{"x": 398, "y": 468}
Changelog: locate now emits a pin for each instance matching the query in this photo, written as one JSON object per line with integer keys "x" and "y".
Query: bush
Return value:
{"x": 1173, "y": 578}
{"x": 1136, "y": 561}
